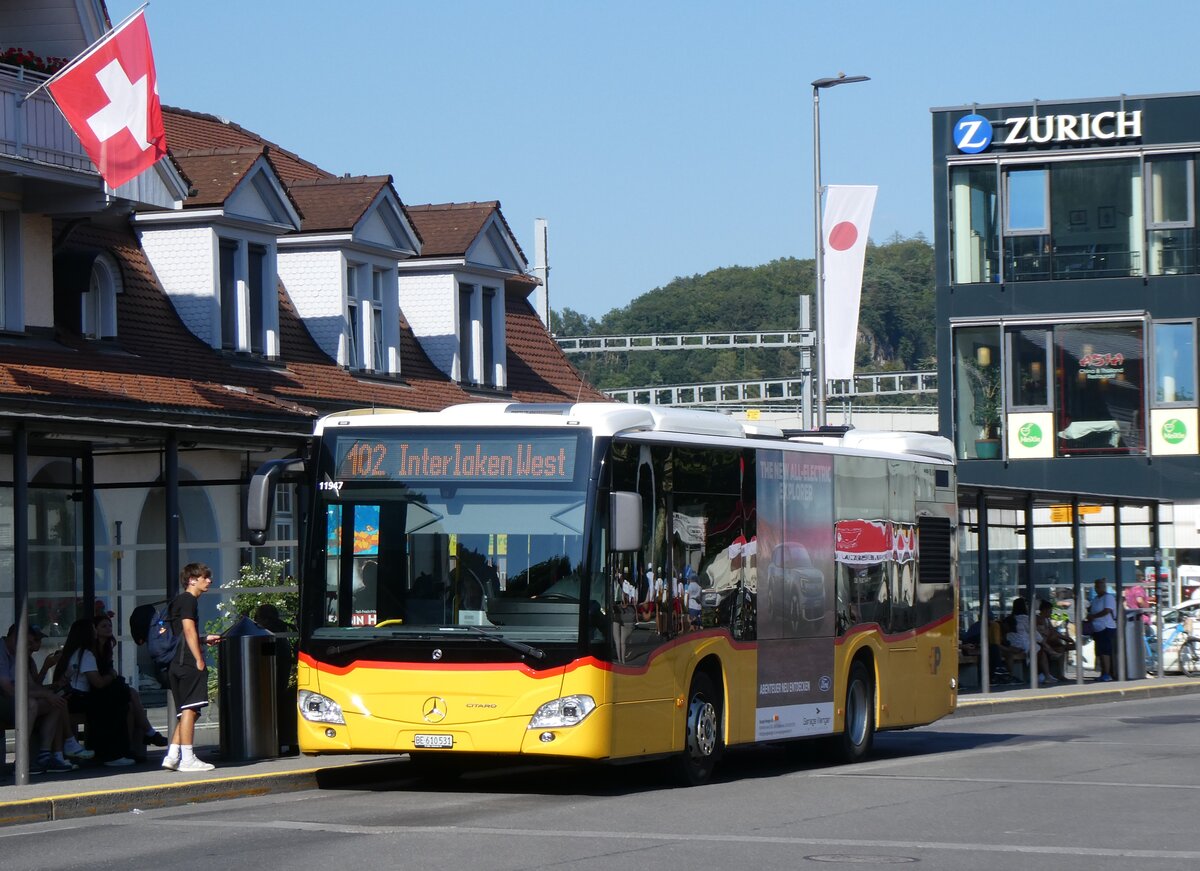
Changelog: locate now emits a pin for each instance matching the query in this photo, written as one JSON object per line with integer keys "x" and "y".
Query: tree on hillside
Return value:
{"x": 895, "y": 323}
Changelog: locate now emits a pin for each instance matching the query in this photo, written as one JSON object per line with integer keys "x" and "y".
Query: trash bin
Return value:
{"x": 247, "y": 692}
{"x": 1135, "y": 647}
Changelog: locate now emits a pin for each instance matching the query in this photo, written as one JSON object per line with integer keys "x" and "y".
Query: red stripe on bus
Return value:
{"x": 558, "y": 671}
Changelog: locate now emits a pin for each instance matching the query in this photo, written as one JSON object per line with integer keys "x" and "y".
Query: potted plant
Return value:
{"x": 985, "y": 387}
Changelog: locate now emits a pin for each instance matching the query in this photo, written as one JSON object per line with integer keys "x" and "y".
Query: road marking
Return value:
{"x": 925, "y": 758}
{"x": 699, "y": 837}
{"x": 1007, "y": 782}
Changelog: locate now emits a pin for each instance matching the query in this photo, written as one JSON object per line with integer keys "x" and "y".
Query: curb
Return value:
{"x": 138, "y": 798}
{"x": 1045, "y": 699}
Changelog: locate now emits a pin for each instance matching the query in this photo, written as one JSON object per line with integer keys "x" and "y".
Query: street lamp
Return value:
{"x": 819, "y": 363}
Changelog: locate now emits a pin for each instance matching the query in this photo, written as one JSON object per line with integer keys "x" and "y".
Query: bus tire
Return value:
{"x": 859, "y": 732}
{"x": 702, "y": 733}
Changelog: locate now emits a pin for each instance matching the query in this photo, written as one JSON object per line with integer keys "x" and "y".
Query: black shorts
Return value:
{"x": 189, "y": 687}
{"x": 1105, "y": 641}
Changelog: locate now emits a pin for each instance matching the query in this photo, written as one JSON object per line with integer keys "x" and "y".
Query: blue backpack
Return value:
{"x": 161, "y": 640}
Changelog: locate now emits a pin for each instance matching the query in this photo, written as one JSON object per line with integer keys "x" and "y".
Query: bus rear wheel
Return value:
{"x": 859, "y": 732}
{"x": 702, "y": 733}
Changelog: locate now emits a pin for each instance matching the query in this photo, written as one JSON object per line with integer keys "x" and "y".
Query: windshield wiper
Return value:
{"x": 367, "y": 642}
{"x": 518, "y": 646}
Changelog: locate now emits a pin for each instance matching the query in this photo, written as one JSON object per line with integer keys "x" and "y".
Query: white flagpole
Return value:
{"x": 87, "y": 52}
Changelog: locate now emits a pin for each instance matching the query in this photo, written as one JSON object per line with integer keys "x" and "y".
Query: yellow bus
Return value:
{"x": 613, "y": 582}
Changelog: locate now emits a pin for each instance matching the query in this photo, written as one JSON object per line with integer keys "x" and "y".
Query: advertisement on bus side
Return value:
{"x": 795, "y": 595}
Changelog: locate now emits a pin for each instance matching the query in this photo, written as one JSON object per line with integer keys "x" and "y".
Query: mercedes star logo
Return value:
{"x": 434, "y": 709}
{"x": 437, "y": 654}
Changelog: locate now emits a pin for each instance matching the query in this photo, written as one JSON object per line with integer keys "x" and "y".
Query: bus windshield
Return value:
{"x": 406, "y": 556}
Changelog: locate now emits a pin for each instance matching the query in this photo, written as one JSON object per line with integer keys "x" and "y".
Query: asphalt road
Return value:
{"x": 1109, "y": 786}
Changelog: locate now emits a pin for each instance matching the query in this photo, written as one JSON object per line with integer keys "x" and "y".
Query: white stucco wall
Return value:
{"x": 37, "y": 267}
{"x": 429, "y": 303}
{"x": 185, "y": 260}
{"x": 316, "y": 284}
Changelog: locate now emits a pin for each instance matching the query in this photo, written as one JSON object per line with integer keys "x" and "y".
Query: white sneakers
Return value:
{"x": 72, "y": 749}
{"x": 170, "y": 764}
{"x": 192, "y": 764}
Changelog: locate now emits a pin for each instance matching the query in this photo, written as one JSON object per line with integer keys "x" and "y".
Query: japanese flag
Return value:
{"x": 109, "y": 96}
{"x": 845, "y": 225}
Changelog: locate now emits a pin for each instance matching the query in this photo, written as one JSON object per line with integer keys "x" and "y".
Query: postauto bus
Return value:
{"x": 613, "y": 582}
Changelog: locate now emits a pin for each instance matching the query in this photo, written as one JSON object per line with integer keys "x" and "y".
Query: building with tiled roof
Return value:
{"x": 160, "y": 341}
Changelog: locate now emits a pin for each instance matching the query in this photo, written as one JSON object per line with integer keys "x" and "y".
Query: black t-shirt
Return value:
{"x": 185, "y": 606}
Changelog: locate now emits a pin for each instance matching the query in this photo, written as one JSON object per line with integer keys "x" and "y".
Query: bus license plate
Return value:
{"x": 431, "y": 742}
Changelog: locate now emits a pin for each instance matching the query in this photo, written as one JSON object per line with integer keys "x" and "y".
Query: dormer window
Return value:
{"x": 367, "y": 336}
{"x": 480, "y": 333}
{"x": 249, "y": 314}
{"x": 378, "y": 357}
{"x": 98, "y": 313}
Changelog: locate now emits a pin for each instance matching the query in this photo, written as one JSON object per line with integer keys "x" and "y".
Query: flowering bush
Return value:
{"x": 266, "y": 572}
{"x": 19, "y": 57}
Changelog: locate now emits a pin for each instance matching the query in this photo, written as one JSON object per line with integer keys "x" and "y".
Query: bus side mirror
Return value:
{"x": 262, "y": 496}
{"x": 624, "y": 521}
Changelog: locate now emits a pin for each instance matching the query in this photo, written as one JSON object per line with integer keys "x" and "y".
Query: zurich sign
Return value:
{"x": 972, "y": 134}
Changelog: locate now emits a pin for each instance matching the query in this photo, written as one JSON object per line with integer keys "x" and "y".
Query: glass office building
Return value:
{"x": 1068, "y": 292}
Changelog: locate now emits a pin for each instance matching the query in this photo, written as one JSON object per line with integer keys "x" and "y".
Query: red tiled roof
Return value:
{"x": 538, "y": 370}
{"x": 187, "y": 130}
{"x": 156, "y": 371}
{"x": 335, "y": 203}
{"x": 448, "y": 229}
{"x": 157, "y": 365}
{"x": 215, "y": 172}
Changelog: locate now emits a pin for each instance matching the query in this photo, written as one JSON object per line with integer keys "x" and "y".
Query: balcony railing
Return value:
{"x": 35, "y": 130}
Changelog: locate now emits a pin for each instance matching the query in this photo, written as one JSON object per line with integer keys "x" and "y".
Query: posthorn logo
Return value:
{"x": 1173, "y": 431}
{"x": 1030, "y": 435}
{"x": 972, "y": 134}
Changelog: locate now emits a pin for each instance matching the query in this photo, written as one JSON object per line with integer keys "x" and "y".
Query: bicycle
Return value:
{"x": 1189, "y": 666}
{"x": 1189, "y": 656}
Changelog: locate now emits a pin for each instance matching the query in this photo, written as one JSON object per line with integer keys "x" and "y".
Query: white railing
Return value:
{"x": 35, "y": 130}
{"x": 870, "y": 385}
{"x": 686, "y": 341}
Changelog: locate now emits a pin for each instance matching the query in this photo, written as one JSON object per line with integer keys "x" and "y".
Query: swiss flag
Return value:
{"x": 109, "y": 96}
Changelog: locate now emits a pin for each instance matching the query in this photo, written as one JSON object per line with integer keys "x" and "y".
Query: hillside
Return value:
{"x": 896, "y": 322}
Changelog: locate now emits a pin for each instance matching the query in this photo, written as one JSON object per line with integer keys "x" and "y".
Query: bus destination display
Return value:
{"x": 480, "y": 459}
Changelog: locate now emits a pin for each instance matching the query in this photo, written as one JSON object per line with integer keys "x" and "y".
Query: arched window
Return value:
{"x": 99, "y": 315}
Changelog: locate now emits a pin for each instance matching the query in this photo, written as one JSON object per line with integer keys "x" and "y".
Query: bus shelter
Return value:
{"x": 1047, "y": 546}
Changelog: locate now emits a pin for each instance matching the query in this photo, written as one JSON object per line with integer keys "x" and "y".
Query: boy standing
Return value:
{"x": 188, "y": 673}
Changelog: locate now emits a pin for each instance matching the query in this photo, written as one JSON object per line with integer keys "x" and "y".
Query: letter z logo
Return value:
{"x": 972, "y": 134}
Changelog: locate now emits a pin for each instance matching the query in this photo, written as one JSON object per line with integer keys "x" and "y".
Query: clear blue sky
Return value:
{"x": 659, "y": 139}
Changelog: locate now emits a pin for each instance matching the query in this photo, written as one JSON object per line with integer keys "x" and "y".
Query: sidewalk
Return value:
{"x": 1010, "y": 698}
{"x": 98, "y": 790}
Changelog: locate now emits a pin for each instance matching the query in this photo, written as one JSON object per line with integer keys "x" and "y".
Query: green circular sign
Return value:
{"x": 1029, "y": 435}
{"x": 1173, "y": 431}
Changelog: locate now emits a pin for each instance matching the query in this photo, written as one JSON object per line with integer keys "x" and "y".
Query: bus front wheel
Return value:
{"x": 859, "y": 731}
{"x": 702, "y": 733}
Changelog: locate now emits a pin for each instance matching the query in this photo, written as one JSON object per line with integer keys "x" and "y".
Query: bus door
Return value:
{"x": 934, "y": 612}
{"x": 903, "y": 656}
{"x": 644, "y": 685}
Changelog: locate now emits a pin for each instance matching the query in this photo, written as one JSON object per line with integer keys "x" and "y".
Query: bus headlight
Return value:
{"x": 320, "y": 709}
{"x": 560, "y": 713}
